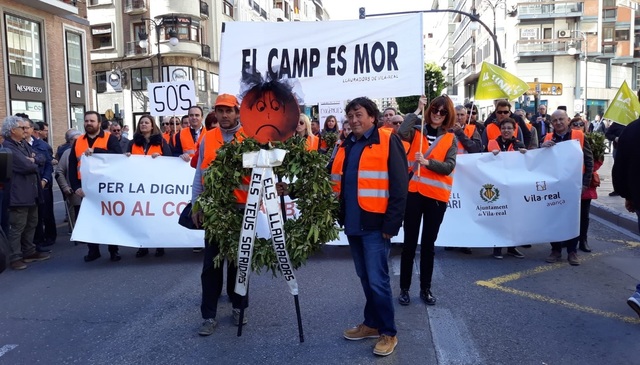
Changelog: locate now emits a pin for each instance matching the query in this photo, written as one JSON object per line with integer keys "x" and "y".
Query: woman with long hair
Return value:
{"x": 432, "y": 159}
{"x": 303, "y": 129}
{"x": 147, "y": 140}
{"x": 329, "y": 133}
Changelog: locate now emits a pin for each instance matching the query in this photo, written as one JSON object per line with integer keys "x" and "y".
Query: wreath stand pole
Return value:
{"x": 295, "y": 297}
{"x": 421, "y": 132}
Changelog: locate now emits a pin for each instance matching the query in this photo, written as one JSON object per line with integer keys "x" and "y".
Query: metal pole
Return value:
{"x": 586, "y": 75}
{"x": 158, "y": 52}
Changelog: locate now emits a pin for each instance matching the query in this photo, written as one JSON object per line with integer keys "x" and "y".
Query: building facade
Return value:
{"x": 573, "y": 53}
{"x": 45, "y": 68}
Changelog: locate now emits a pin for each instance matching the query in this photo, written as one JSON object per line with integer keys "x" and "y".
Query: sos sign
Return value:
{"x": 171, "y": 98}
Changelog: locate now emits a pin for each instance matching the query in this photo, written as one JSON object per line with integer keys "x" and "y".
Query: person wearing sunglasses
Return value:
{"x": 303, "y": 129}
{"x": 562, "y": 132}
{"x": 472, "y": 117}
{"x": 492, "y": 124}
{"x": 116, "y": 129}
{"x": 432, "y": 159}
{"x": 173, "y": 123}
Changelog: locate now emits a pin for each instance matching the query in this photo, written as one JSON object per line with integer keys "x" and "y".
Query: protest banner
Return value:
{"x": 171, "y": 98}
{"x": 333, "y": 60}
{"x": 335, "y": 108}
{"x": 495, "y": 82}
{"x": 135, "y": 201}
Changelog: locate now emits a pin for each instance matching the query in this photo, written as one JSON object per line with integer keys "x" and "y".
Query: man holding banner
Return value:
{"x": 370, "y": 176}
{"x": 227, "y": 111}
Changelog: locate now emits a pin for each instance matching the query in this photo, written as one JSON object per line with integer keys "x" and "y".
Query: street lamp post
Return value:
{"x": 144, "y": 40}
{"x": 494, "y": 5}
{"x": 572, "y": 51}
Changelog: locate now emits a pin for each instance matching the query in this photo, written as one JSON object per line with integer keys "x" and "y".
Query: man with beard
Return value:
{"x": 95, "y": 140}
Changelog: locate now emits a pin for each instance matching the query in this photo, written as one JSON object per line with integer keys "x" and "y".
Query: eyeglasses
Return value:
{"x": 442, "y": 112}
{"x": 503, "y": 112}
{"x": 396, "y": 123}
{"x": 24, "y": 128}
{"x": 506, "y": 128}
{"x": 578, "y": 124}
{"x": 117, "y": 130}
{"x": 166, "y": 123}
{"x": 300, "y": 123}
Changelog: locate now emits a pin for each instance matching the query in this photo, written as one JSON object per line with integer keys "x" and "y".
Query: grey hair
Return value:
{"x": 68, "y": 136}
{"x": 461, "y": 107}
{"x": 8, "y": 124}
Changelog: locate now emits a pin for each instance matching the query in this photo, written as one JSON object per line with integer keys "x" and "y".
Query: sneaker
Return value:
{"x": 360, "y": 332}
{"x": 404, "y": 298}
{"x": 197, "y": 249}
{"x": 236, "y": 317}
{"x": 427, "y": 297}
{"x": 497, "y": 253}
{"x": 554, "y": 257}
{"x": 573, "y": 259}
{"x": 385, "y": 345}
{"x": 515, "y": 253}
{"x": 207, "y": 327}
{"x": 18, "y": 265}
{"x": 634, "y": 302}
{"x": 37, "y": 256}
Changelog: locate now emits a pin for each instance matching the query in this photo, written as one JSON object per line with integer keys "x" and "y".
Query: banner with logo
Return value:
{"x": 497, "y": 83}
{"x": 512, "y": 199}
{"x": 327, "y": 61}
{"x": 135, "y": 201}
{"x": 625, "y": 107}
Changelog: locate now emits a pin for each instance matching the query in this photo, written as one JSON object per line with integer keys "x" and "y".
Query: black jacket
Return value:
{"x": 391, "y": 221}
{"x": 546, "y": 119}
{"x": 522, "y": 126}
{"x": 113, "y": 146}
{"x": 626, "y": 165}
{"x": 25, "y": 182}
{"x": 614, "y": 130}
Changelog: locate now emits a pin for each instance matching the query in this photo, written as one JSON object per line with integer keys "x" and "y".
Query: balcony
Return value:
{"x": 134, "y": 49}
{"x": 546, "y": 47}
{"x": 206, "y": 51}
{"x": 204, "y": 10}
{"x": 549, "y": 9}
{"x": 134, "y": 7}
{"x": 56, "y": 7}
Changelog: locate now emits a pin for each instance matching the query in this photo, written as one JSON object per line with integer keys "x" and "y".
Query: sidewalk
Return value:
{"x": 611, "y": 208}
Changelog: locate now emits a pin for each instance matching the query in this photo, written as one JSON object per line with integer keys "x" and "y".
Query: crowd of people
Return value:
{"x": 370, "y": 153}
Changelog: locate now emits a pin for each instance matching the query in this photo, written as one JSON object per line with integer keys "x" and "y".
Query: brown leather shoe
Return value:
{"x": 385, "y": 345}
{"x": 554, "y": 257}
{"x": 18, "y": 265}
{"x": 37, "y": 256}
{"x": 360, "y": 332}
{"x": 573, "y": 259}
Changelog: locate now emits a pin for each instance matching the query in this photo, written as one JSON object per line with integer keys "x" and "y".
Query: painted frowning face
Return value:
{"x": 268, "y": 118}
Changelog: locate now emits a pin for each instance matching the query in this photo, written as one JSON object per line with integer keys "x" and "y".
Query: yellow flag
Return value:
{"x": 625, "y": 107}
{"x": 497, "y": 83}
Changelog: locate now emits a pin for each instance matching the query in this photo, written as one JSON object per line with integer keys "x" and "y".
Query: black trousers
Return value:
{"x": 94, "y": 248}
{"x": 46, "y": 231}
{"x": 212, "y": 281}
{"x": 430, "y": 212}
{"x": 585, "y": 207}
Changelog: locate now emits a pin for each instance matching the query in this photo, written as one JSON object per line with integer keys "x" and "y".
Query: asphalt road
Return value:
{"x": 146, "y": 311}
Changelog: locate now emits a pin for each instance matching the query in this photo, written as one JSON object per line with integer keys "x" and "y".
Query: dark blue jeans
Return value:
{"x": 370, "y": 254}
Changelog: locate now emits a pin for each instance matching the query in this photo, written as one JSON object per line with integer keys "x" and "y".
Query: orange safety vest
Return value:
{"x": 373, "y": 174}
{"x": 429, "y": 183}
{"x": 82, "y": 144}
{"x": 493, "y": 131}
{"x": 139, "y": 150}
{"x": 493, "y": 145}
{"x": 188, "y": 144}
{"x": 415, "y": 147}
{"x": 213, "y": 140}
{"x": 312, "y": 142}
{"x": 577, "y": 135}
{"x": 469, "y": 129}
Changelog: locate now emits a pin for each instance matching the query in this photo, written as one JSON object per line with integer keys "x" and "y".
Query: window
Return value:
{"x": 622, "y": 34}
{"x": 23, "y": 47}
{"x": 608, "y": 48}
{"x": 213, "y": 81}
{"x": 101, "y": 36}
{"x": 141, "y": 77}
{"x": 100, "y": 2}
{"x": 202, "y": 80}
{"x": 74, "y": 58}
{"x": 607, "y": 34}
{"x": 609, "y": 3}
{"x": 101, "y": 82}
{"x": 227, "y": 8}
{"x": 188, "y": 29}
{"x": 609, "y": 14}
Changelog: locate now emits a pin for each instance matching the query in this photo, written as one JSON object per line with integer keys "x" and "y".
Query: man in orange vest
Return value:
{"x": 189, "y": 138}
{"x": 492, "y": 124}
{"x": 371, "y": 180}
{"x": 95, "y": 140}
{"x": 229, "y": 129}
{"x": 561, "y": 132}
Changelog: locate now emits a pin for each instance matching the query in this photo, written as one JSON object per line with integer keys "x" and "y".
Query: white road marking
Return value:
{"x": 395, "y": 265}
{"x": 6, "y": 348}
{"x": 451, "y": 339}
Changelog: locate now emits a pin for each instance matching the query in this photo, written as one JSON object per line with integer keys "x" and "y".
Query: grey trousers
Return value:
{"x": 22, "y": 228}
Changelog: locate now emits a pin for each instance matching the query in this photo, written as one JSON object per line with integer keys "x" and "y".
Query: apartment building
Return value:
{"x": 45, "y": 66}
{"x": 573, "y": 53}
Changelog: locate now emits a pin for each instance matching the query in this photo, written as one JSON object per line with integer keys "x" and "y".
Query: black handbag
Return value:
{"x": 185, "y": 218}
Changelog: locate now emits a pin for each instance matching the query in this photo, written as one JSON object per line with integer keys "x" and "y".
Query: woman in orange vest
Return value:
{"x": 303, "y": 129}
{"x": 432, "y": 159}
{"x": 330, "y": 126}
{"x": 506, "y": 142}
{"x": 147, "y": 140}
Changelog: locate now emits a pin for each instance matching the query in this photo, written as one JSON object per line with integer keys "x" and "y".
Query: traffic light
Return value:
{"x": 362, "y": 14}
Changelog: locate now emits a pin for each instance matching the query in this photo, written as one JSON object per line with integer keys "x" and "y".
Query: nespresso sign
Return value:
{"x": 29, "y": 89}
